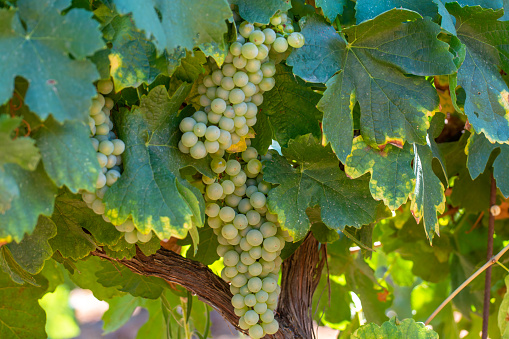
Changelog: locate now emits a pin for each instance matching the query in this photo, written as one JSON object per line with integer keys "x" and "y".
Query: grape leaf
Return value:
{"x": 148, "y": 189}
{"x": 133, "y": 58}
{"x": 20, "y": 314}
{"x": 206, "y": 253}
{"x": 127, "y": 281}
{"x": 493, "y": 4}
{"x": 68, "y": 155}
{"x": 447, "y": 19}
{"x": 406, "y": 329}
{"x": 487, "y": 95}
{"x": 120, "y": 311}
{"x": 428, "y": 198}
{"x": 290, "y": 108}
{"x": 260, "y": 11}
{"x": 177, "y": 26}
{"x": 479, "y": 149}
{"x": 331, "y": 9}
{"x": 390, "y": 168}
{"x": 191, "y": 67}
{"x": 503, "y": 312}
{"x": 8, "y": 191}
{"x": 263, "y": 134}
{"x": 34, "y": 249}
{"x": 375, "y": 68}
{"x": 36, "y": 197}
{"x": 59, "y": 85}
{"x": 20, "y": 151}
{"x": 367, "y": 9}
{"x": 84, "y": 276}
{"x": 316, "y": 180}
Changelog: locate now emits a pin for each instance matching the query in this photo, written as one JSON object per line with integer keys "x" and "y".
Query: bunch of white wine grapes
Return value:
{"x": 230, "y": 95}
{"x": 250, "y": 239}
{"x": 109, "y": 150}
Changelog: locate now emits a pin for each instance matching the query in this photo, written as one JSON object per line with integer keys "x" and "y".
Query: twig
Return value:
{"x": 493, "y": 260}
{"x": 489, "y": 254}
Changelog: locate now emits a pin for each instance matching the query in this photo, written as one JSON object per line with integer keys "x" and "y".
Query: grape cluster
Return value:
{"x": 230, "y": 95}
{"x": 109, "y": 150}
{"x": 249, "y": 236}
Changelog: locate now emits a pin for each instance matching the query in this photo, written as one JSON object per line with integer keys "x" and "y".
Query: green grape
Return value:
{"x": 269, "y": 285}
{"x": 112, "y": 177}
{"x": 255, "y": 269}
{"x": 271, "y": 328}
{"x": 211, "y": 146}
{"x": 229, "y": 112}
{"x": 96, "y": 107}
{"x": 252, "y": 110}
{"x": 224, "y": 136}
{"x": 238, "y": 122}
{"x": 254, "y": 166}
{"x": 101, "y": 192}
{"x": 236, "y": 48}
{"x": 144, "y": 237}
{"x": 227, "y": 83}
{"x": 200, "y": 116}
{"x": 226, "y": 124}
{"x": 101, "y": 181}
{"x": 257, "y": 37}
{"x": 232, "y": 200}
{"x": 204, "y": 100}
{"x": 244, "y": 290}
{"x": 222, "y": 240}
{"x": 214, "y": 118}
{"x": 245, "y": 231}
{"x": 250, "y": 50}
{"x": 240, "y": 79}
{"x": 267, "y": 84}
{"x": 222, "y": 250}
{"x": 273, "y": 297}
{"x": 229, "y": 232}
{"x": 270, "y": 36}
{"x": 249, "y": 153}
{"x": 271, "y": 217}
{"x": 226, "y": 213}
{"x": 228, "y": 70}
{"x": 240, "y": 221}
{"x": 253, "y": 217}
{"x": 214, "y": 222}
{"x": 235, "y": 241}
{"x": 253, "y": 65}
{"x": 230, "y": 272}
{"x": 268, "y": 229}
{"x": 269, "y": 256}
{"x": 254, "y": 238}
{"x": 118, "y": 146}
{"x": 251, "y": 181}
{"x": 264, "y": 187}
{"x": 131, "y": 237}
{"x": 255, "y": 252}
{"x": 104, "y": 86}
{"x": 244, "y": 245}
{"x": 250, "y": 190}
{"x": 251, "y": 317}
{"x": 278, "y": 261}
{"x": 263, "y": 52}
{"x": 239, "y": 179}
{"x": 236, "y": 96}
{"x": 198, "y": 151}
{"x": 228, "y": 187}
{"x": 214, "y": 192}
{"x": 223, "y": 94}
{"x": 102, "y": 159}
{"x": 244, "y": 206}
{"x": 258, "y": 199}
{"x": 280, "y": 45}
{"x": 218, "y": 165}
{"x": 261, "y": 297}
{"x": 211, "y": 92}
{"x": 102, "y": 129}
{"x": 238, "y": 301}
{"x": 218, "y": 106}
{"x": 246, "y": 259}
{"x": 242, "y": 323}
{"x": 235, "y": 138}
{"x": 231, "y": 258}
{"x": 95, "y": 143}
{"x": 245, "y": 29}
{"x": 217, "y": 76}
{"x": 240, "y": 109}
{"x": 240, "y": 61}
{"x": 98, "y": 206}
{"x": 249, "y": 89}
{"x": 256, "y": 331}
{"x": 189, "y": 139}
{"x": 289, "y": 29}
{"x": 267, "y": 317}
{"x": 284, "y": 18}
{"x": 207, "y": 181}
{"x": 234, "y": 290}
{"x": 275, "y": 20}
{"x": 240, "y": 190}
{"x": 99, "y": 118}
{"x": 257, "y": 99}
{"x": 88, "y": 197}
{"x": 212, "y": 209}
{"x": 241, "y": 268}
{"x": 239, "y": 280}
{"x": 255, "y": 77}
{"x": 271, "y": 244}
{"x": 260, "y": 308}
{"x": 250, "y": 299}
{"x": 233, "y": 167}
{"x": 202, "y": 89}
{"x": 268, "y": 69}
{"x": 296, "y": 40}
{"x": 207, "y": 81}
{"x": 199, "y": 129}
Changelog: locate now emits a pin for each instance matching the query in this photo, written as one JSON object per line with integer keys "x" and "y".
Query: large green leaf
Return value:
{"x": 190, "y": 67}
{"x": 260, "y": 11}
{"x": 308, "y": 175}
{"x": 36, "y": 197}
{"x": 503, "y": 312}
{"x": 331, "y": 9}
{"x": 206, "y": 253}
{"x": 493, "y": 4}
{"x": 148, "y": 189}
{"x": 39, "y": 40}
{"x": 133, "y": 58}
{"x": 176, "y": 26}
{"x": 125, "y": 280}
{"x": 20, "y": 151}
{"x": 290, "y": 108}
{"x": 20, "y": 314}
{"x": 368, "y": 9}
{"x": 375, "y": 67}
{"x": 487, "y": 95}
{"x": 68, "y": 155}
{"x": 8, "y": 191}
{"x": 120, "y": 311}
{"x": 447, "y": 19}
{"x": 479, "y": 149}
{"x": 391, "y": 171}
{"x": 406, "y": 329}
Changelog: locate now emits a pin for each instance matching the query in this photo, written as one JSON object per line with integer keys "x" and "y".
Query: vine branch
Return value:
{"x": 300, "y": 276}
